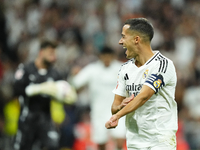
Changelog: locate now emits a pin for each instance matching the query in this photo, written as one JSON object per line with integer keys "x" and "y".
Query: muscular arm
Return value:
{"x": 120, "y": 102}
{"x": 144, "y": 95}
{"x": 116, "y": 106}
{"x": 139, "y": 100}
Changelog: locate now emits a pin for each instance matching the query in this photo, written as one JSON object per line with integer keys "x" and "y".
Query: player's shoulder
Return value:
{"x": 117, "y": 63}
{"x": 90, "y": 68}
{"x": 21, "y": 70}
{"x": 92, "y": 65}
{"x": 25, "y": 66}
{"x": 127, "y": 63}
{"x": 124, "y": 66}
{"x": 161, "y": 59}
{"x": 164, "y": 63}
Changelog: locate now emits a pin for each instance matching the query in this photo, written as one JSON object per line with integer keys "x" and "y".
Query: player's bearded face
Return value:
{"x": 47, "y": 63}
{"x": 49, "y": 57}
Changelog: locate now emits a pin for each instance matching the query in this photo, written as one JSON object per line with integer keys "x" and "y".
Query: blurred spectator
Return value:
{"x": 192, "y": 116}
{"x": 180, "y": 137}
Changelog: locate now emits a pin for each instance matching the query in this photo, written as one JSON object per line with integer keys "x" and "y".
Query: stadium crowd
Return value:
{"x": 81, "y": 28}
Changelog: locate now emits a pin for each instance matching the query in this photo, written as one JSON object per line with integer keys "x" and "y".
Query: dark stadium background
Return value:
{"x": 82, "y": 28}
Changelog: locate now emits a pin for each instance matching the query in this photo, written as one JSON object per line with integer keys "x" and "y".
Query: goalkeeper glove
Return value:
{"x": 60, "y": 90}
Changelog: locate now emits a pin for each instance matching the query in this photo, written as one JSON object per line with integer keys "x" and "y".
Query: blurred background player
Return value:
{"x": 100, "y": 76}
{"x": 36, "y": 84}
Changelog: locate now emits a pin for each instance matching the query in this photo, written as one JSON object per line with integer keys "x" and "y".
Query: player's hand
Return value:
{"x": 126, "y": 101}
{"x": 60, "y": 90}
{"x": 112, "y": 123}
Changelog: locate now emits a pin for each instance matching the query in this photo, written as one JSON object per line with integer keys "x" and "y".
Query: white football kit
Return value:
{"x": 155, "y": 122}
{"x": 100, "y": 81}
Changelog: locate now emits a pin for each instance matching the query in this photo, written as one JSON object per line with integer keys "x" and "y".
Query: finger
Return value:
{"x": 111, "y": 125}
{"x": 107, "y": 125}
{"x": 114, "y": 123}
{"x": 132, "y": 96}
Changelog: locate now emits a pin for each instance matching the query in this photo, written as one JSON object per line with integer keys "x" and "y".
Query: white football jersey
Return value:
{"x": 100, "y": 81}
{"x": 156, "y": 120}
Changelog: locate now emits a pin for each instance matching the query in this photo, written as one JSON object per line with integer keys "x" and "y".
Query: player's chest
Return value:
{"x": 134, "y": 80}
{"x": 37, "y": 77}
{"x": 135, "y": 77}
{"x": 104, "y": 75}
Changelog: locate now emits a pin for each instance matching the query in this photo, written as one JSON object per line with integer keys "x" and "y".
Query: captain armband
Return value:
{"x": 155, "y": 81}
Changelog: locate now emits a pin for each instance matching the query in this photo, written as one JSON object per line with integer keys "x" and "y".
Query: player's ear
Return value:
{"x": 137, "y": 39}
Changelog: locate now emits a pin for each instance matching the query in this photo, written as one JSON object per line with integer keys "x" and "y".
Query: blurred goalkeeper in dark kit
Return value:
{"x": 36, "y": 85}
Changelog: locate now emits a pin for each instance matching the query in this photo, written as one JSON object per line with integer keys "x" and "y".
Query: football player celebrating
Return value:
{"x": 145, "y": 91}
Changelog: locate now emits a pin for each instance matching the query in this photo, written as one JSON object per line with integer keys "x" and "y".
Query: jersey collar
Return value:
{"x": 152, "y": 58}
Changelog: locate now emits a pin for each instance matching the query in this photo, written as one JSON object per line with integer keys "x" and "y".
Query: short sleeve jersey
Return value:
{"x": 156, "y": 120}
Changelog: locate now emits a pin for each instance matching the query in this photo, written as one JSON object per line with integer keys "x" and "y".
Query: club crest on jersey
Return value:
{"x": 145, "y": 74}
{"x": 157, "y": 83}
{"x": 19, "y": 74}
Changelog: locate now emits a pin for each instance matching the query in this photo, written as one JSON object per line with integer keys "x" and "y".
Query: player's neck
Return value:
{"x": 39, "y": 64}
{"x": 143, "y": 57}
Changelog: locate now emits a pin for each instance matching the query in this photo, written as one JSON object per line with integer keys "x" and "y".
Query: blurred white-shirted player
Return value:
{"x": 145, "y": 91}
{"x": 100, "y": 76}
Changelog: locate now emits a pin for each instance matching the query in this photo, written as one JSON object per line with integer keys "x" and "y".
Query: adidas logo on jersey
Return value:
{"x": 126, "y": 77}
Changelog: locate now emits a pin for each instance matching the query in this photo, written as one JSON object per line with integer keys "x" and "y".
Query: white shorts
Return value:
{"x": 101, "y": 135}
{"x": 159, "y": 146}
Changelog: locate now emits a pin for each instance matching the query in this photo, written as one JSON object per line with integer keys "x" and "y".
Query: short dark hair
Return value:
{"x": 141, "y": 25}
{"x": 107, "y": 50}
{"x": 47, "y": 43}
